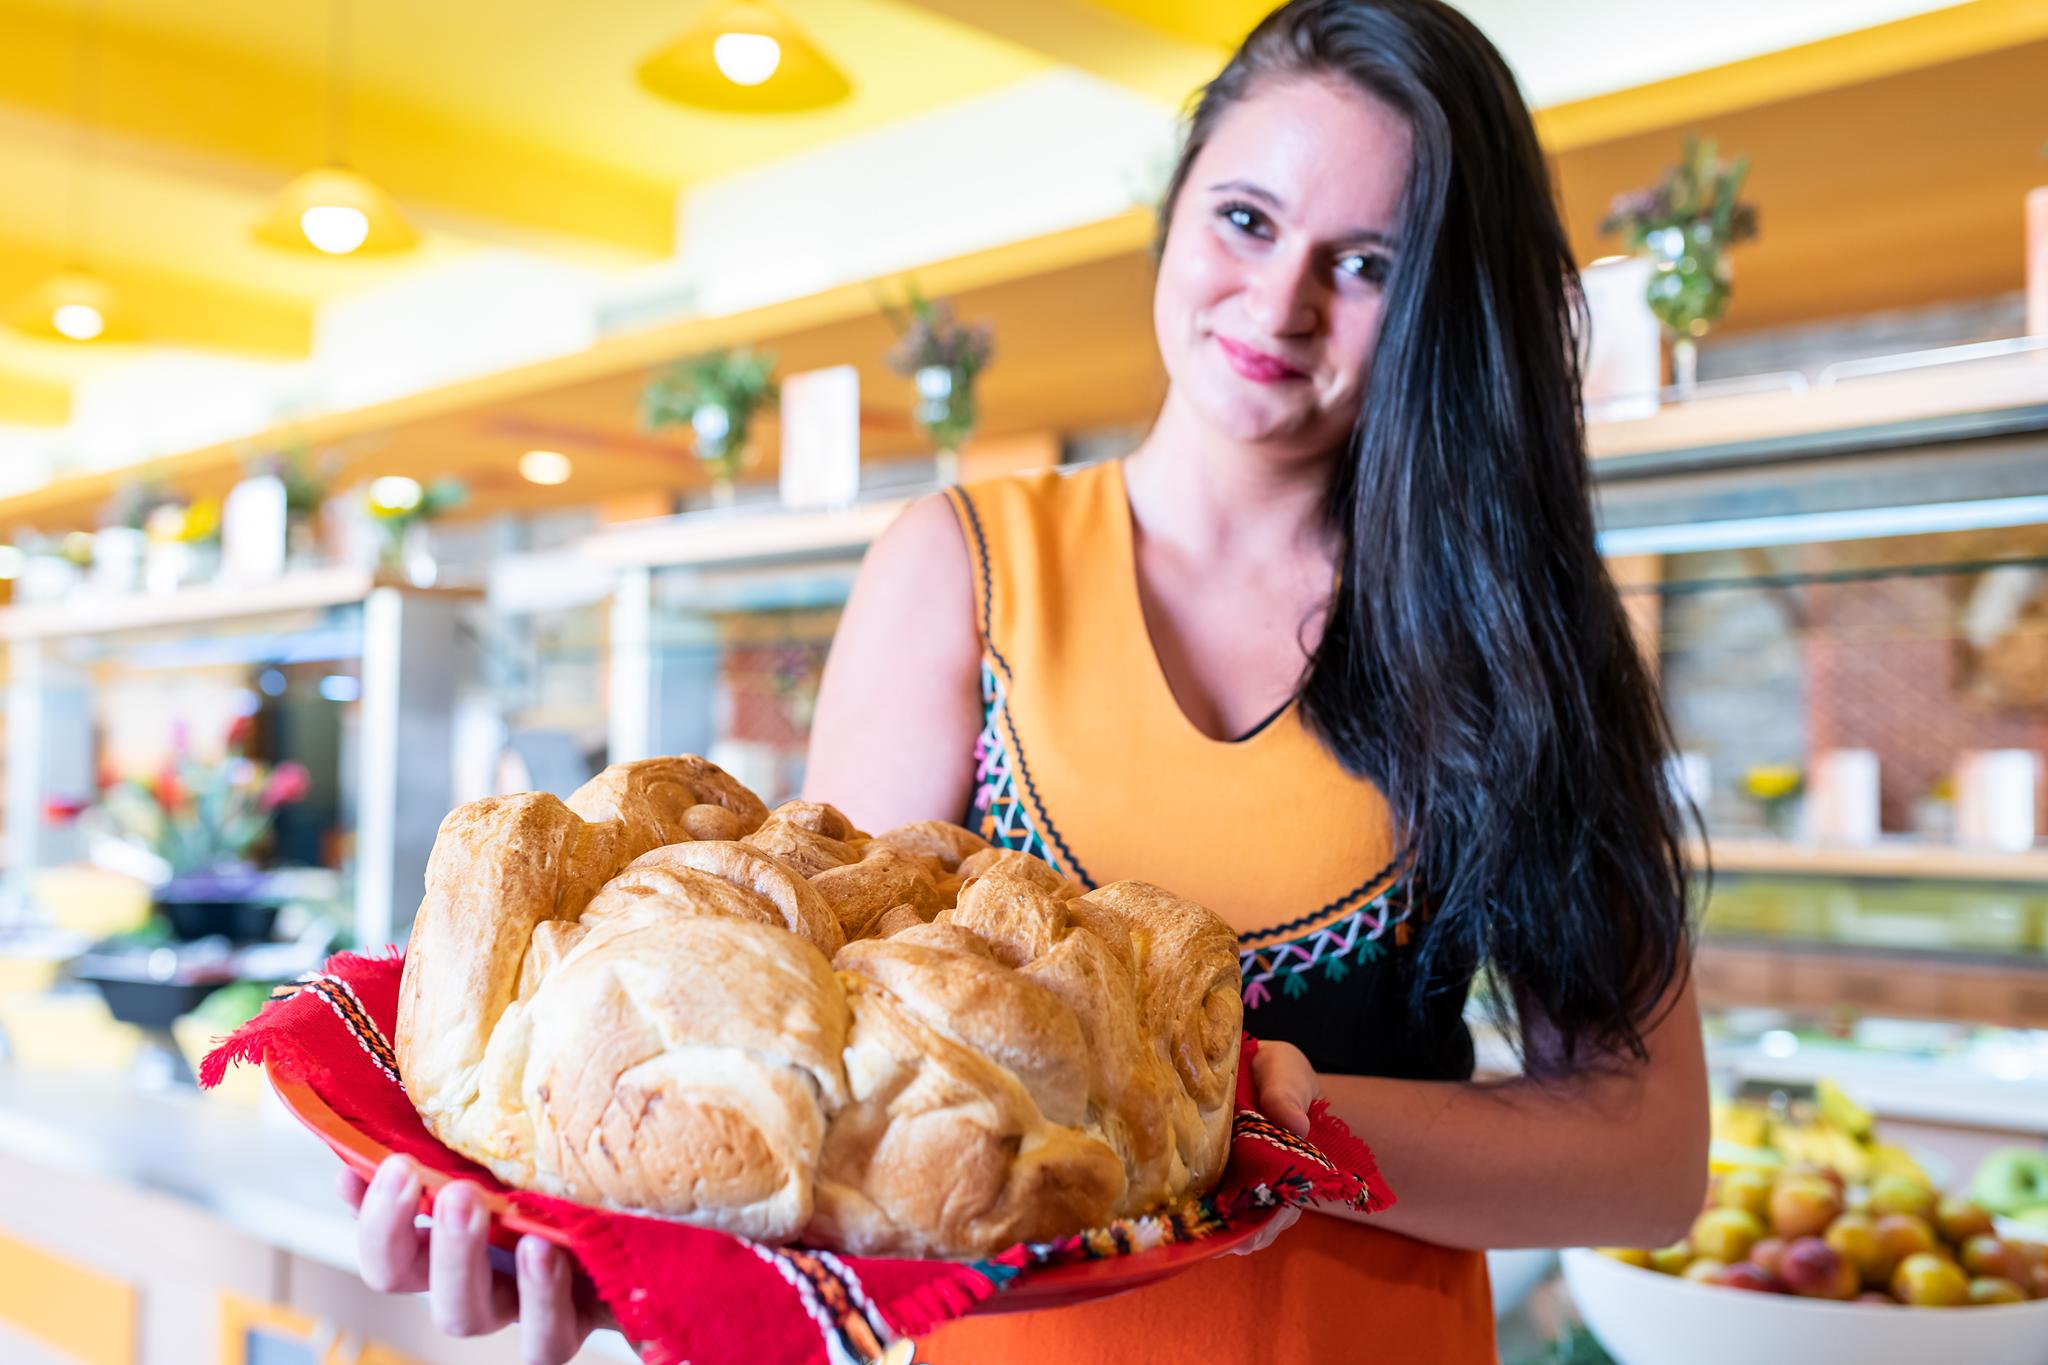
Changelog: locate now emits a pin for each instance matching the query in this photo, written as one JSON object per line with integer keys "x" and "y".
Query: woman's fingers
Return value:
{"x": 549, "y": 1329}
{"x": 466, "y": 1298}
{"x": 351, "y": 1188}
{"x": 390, "y": 1249}
{"x": 1286, "y": 1085}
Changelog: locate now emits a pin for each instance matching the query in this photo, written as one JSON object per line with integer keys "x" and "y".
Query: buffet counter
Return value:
{"x": 174, "y": 1228}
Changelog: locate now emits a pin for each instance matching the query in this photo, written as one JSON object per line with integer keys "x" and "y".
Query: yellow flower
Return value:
{"x": 1771, "y": 781}
{"x": 202, "y": 521}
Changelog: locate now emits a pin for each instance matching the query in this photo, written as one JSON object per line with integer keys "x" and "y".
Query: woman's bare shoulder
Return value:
{"x": 899, "y": 706}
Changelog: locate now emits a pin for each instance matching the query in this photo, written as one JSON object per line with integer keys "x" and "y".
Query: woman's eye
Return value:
{"x": 1372, "y": 269}
{"x": 1242, "y": 217}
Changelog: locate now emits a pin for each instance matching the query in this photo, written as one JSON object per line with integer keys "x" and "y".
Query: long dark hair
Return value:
{"x": 1477, "y": 663}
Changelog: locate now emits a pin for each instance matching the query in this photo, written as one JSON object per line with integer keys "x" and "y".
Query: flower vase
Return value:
{"x": 713, "y": 426}
{"x": 416, "y": 556}
{"x": 1691, "y": 281}
{"x": 1685, "y": 362}
{"x": 166, "y": 567}
{"x": 118, "y": 556}
{"x": 301, "y": 544}
{"x": 945, "y": 410}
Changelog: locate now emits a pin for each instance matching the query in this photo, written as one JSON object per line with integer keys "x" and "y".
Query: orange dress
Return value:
{"x": 1087, "y": 760}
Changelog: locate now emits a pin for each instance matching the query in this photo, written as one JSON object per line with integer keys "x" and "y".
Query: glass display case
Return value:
{"x": 1850, "y": 628}
{"x": 351, "y": 680}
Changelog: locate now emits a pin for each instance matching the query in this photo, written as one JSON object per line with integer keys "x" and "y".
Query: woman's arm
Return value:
{"x": 1615, "y": 1156}
{"x": 899, "y": 708}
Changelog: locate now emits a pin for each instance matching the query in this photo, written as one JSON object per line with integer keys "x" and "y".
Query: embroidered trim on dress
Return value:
{"x": 1000, "y": 815}
{"x": 1353, "y": 941}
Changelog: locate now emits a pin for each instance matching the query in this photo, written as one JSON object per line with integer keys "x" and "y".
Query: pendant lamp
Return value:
{"x": 744, "y": 57}
{"x": 332, "y": 210}
{"x": 75, "y": 304}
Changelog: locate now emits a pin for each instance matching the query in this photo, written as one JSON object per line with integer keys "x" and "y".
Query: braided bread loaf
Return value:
{"x": 659, "y": 996}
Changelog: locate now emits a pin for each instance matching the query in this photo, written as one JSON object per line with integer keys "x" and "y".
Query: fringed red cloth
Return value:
{"x": 687, "y": 1294}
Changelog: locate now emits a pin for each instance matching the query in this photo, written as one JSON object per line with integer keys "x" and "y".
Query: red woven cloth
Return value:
{"x": 686, "y": 1294}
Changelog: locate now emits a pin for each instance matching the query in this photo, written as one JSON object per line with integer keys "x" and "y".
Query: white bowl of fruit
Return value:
{"x": 1792, "y": 1266}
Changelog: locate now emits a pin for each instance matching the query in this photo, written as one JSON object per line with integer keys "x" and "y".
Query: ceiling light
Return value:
{"x": 71, "y": 305}
{"x": 335, "y": 228}
{"x": 333, "y": 210}
{"x": 744, "y": 57}
{"x": 79, "y": 321}
{"x": 545, "y": 467}
{"x": 336, "y": 212}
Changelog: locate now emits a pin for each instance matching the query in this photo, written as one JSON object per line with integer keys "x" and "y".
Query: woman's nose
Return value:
{"x": 1282, "y": 295}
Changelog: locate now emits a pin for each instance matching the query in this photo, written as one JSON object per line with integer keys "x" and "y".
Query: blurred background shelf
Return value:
{"x": 1900, "y": 859}
{"x": 305, "y": 590}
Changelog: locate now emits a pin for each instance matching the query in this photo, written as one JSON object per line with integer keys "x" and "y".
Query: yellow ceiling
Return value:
{"x": 517, "y": 122}
{"x": 1220, "y": 24}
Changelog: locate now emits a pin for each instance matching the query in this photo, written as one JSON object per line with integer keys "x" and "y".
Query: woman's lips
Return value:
{"x": 1256, "y": 365}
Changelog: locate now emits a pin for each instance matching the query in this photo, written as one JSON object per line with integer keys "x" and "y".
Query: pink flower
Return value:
{"x": 62, "y": 810}
{"x": 290, "y": 782}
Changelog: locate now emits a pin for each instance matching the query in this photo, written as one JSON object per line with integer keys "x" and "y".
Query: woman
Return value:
{"x": 1365, "y": 504}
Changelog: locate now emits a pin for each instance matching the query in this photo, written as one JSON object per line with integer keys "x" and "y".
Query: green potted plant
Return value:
{"x": 942, "y": 357}
{"x": 401, "y": 508}
{"x": 1686, "y": 224}
{"x": 716, "y": 395}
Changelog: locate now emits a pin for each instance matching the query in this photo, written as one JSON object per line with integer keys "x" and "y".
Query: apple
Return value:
{"x": 1671, "y": 1260}
{"x": 1750, "y": 1190}
{"x": 1766, "y": 1253}
{"x": 1827, "y": 1173}
{"x": 1627, "y": 1256}
{"x": 1813, "y": 1269}
{"x": 1876, "y": 1296}
{"x": 1960, "y": 1219}
{"x": 1854, "y": 1236}
{"x": 2011, "y": 1179}
{"x": 1900, "y": 1235}
{"x": 1803, "y": 1206}
{"x": 1753, "y": 1277}
{"x": 1927, "y": 1281}
{"x": 1902, "y": 1194}
{"x": 1990, "y": 1258}
{"x": 1705, "y": 1270}
{"x": 1726, "y": 1235}
{"x": 1992, "y": 1289}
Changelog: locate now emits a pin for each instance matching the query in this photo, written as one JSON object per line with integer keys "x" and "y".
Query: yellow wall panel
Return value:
{"x": 72, "y": 1307}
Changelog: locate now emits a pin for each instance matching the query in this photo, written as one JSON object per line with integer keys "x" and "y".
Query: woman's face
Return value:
{"x": 1271, "y": 284}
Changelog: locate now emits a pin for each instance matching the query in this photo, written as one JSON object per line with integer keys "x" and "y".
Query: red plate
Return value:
{"x": 1050, "y": 1287}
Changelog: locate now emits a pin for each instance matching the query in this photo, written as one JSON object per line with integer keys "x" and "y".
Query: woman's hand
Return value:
{"x": 1285, "y": 1085}
{"x": 452, "y": 1265}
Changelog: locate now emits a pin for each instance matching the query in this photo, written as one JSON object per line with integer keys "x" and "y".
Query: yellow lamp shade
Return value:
{"x": 335, "y": 212}
{"x": 744, "y": 57}
{"x": 71, "y": 305}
